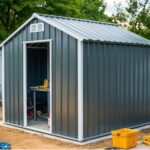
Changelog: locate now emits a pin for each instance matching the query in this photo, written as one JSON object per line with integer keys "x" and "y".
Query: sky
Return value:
{"x": 110, "y": 9}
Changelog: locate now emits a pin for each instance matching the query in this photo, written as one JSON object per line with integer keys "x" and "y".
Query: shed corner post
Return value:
{"x": 51, "y": 101}
{"x": 80, "y": 90}
{"x": 3, "y": 83}
{"x": 24, "y": 85}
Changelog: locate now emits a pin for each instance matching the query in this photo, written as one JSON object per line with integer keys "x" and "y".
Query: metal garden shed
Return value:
{"x": 98, "y": 73}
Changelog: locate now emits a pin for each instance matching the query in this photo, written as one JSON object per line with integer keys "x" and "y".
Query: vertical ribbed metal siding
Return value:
{"x": 64, "y": 78}
{"x": 116, "y": 87}
{"x": 64, "y": 84}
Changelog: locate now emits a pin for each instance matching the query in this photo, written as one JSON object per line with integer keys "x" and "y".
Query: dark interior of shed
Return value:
{"x": 37, "y": 95}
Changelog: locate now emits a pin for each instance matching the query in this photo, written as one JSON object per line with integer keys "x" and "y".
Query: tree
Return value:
{"x": 136, "y": 16}
{"x": 14, "y": 12}
{"x": 63, "y": 7}
{"x": 94, "y": 9}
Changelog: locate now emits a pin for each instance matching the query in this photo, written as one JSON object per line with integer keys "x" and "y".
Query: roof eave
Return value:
{"x": 58, "y": 26}
{"x": 115, "y": 42}
{"x": 44, "y": 20}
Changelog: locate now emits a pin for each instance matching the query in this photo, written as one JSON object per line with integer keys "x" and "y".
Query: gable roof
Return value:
{"x": 88, "y": 30}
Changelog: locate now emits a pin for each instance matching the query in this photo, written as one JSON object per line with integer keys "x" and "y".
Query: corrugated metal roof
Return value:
{"x": 87, "y": 30}
{"x": 97, "y": 31}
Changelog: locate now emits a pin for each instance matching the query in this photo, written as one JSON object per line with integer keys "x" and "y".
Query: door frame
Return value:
{"x": 25, "y": 81}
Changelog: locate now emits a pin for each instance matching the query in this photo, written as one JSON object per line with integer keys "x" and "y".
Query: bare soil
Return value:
{"x": 23, "y": 140}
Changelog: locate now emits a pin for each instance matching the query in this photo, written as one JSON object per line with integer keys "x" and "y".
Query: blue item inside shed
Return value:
{"x": 4, "y": 145}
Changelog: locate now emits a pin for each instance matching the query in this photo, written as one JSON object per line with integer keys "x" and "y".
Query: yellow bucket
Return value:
{"x": 124, "y": 138}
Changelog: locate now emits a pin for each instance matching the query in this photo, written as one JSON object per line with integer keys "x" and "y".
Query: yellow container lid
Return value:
{"x": 124, "y": 132}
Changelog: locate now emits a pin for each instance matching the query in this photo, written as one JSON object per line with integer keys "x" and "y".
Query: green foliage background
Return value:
{"x": 137, "y": 17}
{"x": 14, "y": 12}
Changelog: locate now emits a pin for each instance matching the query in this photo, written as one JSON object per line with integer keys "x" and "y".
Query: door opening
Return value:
{"x": 37, "y": 97}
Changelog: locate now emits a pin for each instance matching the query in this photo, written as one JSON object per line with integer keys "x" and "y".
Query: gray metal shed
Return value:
{"x": 99, "y": 77}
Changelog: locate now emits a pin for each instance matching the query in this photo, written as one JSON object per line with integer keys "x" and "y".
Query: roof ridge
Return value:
{"x": 77, "y": 19}
{"x": 113, "y": 30}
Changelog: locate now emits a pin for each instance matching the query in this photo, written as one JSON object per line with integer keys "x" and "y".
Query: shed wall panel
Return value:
{"x": 64, "y": 78}
{"x": 116, "y": 85}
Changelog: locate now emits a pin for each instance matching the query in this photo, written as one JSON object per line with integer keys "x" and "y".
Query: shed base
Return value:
{"x": 65, "y": 139}
{"x": 41, "y": 124}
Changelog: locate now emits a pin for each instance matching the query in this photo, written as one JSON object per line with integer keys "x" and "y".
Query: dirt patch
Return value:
{"x": 22, "y": 140}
